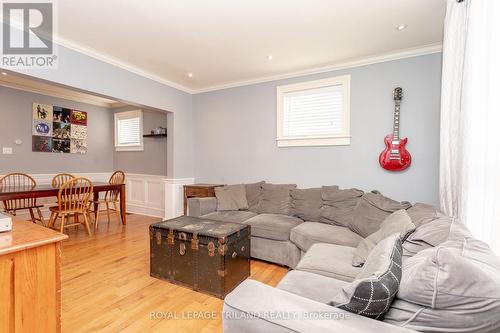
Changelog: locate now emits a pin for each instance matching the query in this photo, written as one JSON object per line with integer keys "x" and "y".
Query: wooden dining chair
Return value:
{"x": 21, "y": 181}
{"x": 110, "y": 198}
{"x": 72, "y": 200}
{"x": 60, "y": 179}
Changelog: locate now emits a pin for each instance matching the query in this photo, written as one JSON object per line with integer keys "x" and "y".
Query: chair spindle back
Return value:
{"x": 74, "y": 195}
{"x": 60, "y": 179}
{"x": 17, "y": 182}
{"x": 118, "y": 177}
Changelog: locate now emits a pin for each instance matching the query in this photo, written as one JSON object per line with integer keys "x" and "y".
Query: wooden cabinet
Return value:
{"x": 30, "y": 281}
{"x": 198, "y": 191}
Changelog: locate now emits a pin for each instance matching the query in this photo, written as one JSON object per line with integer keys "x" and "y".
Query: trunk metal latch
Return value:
{"x": 195, "y": 242}
{"x": 211, "y": 249}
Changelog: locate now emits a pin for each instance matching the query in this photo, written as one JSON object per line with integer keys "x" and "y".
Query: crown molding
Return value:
{"x": 400, "y": 54}
{"x": 390, "y": 56}
{"x": 59, "y": 94}
{"x": 115, "y": 62}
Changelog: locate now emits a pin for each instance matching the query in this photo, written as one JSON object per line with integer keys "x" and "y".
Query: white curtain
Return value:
{"x": 470, "y": 117}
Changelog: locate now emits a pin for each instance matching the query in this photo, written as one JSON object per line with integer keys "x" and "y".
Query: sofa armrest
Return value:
{"x": 201, "y": 206}
{"x": 259, "y": 308}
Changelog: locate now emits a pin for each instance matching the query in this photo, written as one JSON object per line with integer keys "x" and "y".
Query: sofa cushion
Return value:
{"x": 273, "y": 226}
{"x": 421, "y": 213}
{"x": 397, "y": 222}
{"x": 338, "y": 205}
{"x": 371, "y": 211}
{"x": 374, "y": 289}
{"x": 426, "y": 236}
{"x": 253, "y": 192}
{"x": 231, "y": 197}
{"x": 330, "y": 260}
{"x": 276, "y": 199}
{"x": 454, "y": 287}
{"x": 313, "y": 286}
{"x": 309, "y": 233}
{"x": 306, "y": 203}
{"x": 229, "y": 216}
{"x": 280, "y": 252}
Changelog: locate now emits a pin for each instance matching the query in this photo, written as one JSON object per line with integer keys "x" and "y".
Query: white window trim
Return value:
{"x": 125, "y": 115}
{"x": 327, "y": 140}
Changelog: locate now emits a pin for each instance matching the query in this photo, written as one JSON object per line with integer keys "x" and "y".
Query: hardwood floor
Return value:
{"x": 106, "y": 285}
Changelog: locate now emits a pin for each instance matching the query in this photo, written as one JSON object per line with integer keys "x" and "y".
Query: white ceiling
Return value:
{"x": 223, "y": 42}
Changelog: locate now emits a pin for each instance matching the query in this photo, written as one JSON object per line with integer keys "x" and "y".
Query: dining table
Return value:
{"x": 47, "y": 190}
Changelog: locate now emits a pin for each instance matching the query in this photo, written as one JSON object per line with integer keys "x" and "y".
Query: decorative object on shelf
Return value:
{"x": 59, "y": 130}
{"x": 395, "y": 157}
{"x": 160, "y": 130}
{"x": 157, "y": 132}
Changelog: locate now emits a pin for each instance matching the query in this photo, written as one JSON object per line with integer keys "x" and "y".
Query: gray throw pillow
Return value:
{"x": 375, "y": 287}
{"x": 397, "y": 222}
{"x": 454, "y": 287}
{"x": 254, "y": 192}
{"x": 338, "y": 205}
{"x": 427, "y": 235}
{"x": 276, "y": 199}
{"x": 306, "y": 204}
{"x": 231, "y": 197}
{"x": 371, "y": 211}
{"x": 421, "y": 213}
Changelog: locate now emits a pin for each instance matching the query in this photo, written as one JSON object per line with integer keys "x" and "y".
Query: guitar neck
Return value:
{"x": 395, "y": 128}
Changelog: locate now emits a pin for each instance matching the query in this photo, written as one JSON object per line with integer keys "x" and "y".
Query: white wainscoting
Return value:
{"x": 174, "y": 196}
{"x": 146, "y": 194}
{"x": 150, "y": 195}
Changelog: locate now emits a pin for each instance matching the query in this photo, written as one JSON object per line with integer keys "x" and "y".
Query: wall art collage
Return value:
{"x": 59, "y": 130}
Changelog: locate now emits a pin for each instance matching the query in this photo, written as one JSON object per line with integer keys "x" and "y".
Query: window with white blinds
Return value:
{"x": 314, "y": 113}
{"x": 128, "y": 130}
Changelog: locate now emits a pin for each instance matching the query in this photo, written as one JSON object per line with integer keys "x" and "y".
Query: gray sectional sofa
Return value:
{"x": 286, "y": 221}
{"x": 449, "y": 282}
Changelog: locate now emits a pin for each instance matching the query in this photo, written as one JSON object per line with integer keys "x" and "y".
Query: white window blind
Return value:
{"x": 128, "y": 130}
{"x": 314, "y": 113}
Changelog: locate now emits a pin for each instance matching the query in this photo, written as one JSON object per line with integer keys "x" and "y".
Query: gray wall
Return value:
{"x": 235, "y": 132}
{"x": 153, "y": 159}
{"x": 88, "y": 74}
{"x": 15, "y": 123}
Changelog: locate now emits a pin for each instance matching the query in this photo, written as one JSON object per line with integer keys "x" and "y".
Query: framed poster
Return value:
{"x": 59, "y": 130}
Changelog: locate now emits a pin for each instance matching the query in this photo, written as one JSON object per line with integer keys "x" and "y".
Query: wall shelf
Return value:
{"x": 154, "y": 136}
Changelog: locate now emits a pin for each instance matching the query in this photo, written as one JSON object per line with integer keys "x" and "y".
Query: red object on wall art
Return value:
{"x": 395, "y": 157}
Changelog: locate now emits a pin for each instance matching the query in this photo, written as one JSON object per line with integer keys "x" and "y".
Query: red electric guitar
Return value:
{"x": 395, "y": 157}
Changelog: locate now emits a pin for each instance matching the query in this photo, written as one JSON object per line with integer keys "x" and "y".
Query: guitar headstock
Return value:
{"x": 398, "y": 94}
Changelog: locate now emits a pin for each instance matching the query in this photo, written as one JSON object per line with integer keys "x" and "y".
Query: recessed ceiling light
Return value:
{"x": 401, "y": 27}
{"x": 270, "y": 57}
{"x": 190, "y": 74}
{"x": 3, "y": 73}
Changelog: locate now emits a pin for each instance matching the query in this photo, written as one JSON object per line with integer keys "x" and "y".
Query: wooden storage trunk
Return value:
{"x": 207, "y": 256}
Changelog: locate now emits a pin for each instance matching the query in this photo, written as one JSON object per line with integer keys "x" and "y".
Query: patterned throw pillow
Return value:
{"x": 374, "y": 289}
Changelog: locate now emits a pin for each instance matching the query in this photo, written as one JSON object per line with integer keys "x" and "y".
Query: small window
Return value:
{"x": 314, "y": 113}
{"x": 128, "y": 131}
